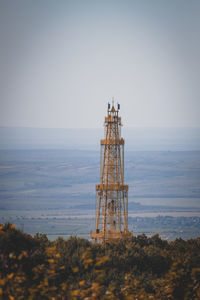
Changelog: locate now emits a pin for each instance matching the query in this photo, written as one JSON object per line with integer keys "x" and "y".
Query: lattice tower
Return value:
{"x": 112, "y": 193}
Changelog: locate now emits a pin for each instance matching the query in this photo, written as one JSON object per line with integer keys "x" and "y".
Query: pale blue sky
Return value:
{"x": 62, "y": 61}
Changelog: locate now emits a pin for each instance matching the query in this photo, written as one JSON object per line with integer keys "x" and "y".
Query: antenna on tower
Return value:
{"x": 118, "y": 106}
{"x": 108, "y": 105}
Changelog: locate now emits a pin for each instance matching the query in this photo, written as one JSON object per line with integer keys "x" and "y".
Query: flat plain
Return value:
{"x": 53, "y": 191}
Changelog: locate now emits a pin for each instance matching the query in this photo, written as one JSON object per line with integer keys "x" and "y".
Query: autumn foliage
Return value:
{"x": 139, "y": 268}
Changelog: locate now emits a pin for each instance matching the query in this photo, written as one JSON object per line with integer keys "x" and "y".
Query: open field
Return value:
{"x": 53, "y": 191}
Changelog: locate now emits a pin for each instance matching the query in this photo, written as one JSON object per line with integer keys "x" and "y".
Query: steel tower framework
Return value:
{"x": 112, "y": 193}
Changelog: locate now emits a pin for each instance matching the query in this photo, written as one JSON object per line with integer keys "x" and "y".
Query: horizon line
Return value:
{"x": 91, "y": 128}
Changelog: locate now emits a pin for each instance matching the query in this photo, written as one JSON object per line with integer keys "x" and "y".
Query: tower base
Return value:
{"x": 110, "y": 236}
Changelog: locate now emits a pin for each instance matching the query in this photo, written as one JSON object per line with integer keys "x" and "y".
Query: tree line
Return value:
{"x": 138, "y": 268}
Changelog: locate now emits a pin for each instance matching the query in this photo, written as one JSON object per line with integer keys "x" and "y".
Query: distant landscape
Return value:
{"x": 48, "y": 186}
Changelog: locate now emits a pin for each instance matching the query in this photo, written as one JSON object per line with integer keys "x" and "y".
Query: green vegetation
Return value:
{"x": 140, "y": 268}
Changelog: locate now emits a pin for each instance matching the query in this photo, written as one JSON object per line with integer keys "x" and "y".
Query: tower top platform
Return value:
{"x": 113, "y": 114}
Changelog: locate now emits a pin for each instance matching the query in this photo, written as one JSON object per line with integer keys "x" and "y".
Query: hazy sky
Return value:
{"x": 62, "y": 61}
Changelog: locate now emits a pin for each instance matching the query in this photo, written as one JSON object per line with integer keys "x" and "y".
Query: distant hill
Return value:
{"x": 142, "y": 139}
